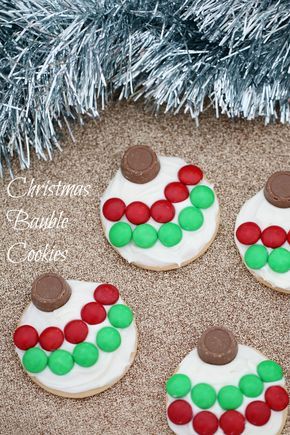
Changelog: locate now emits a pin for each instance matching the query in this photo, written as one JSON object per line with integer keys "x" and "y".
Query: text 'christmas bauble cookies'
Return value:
{"x": 76, "y": 338}
{"x": 262, "y": 233}
{"x": 222, "y": 387}
{"x": 159, "y": 213}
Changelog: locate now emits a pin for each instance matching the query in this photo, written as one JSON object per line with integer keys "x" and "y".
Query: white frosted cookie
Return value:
{"x": 76, "y": 338}
{"x": 159, "y": 213}
{"x": 262, "y": 233}
{"x": 222, "y": 387}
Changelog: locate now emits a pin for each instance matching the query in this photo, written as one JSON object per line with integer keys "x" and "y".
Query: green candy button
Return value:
{"x": 230, "y": 397}
{"x": 34, "y": 360}
{"x": 279, "y": 260}
{"x": 256, "y": 256}
{"x": 145, "y": 236}
{"x": 251, "y": 385}
{"x": 120, "y": 316}
{"x": 108, "y": 339}
{"x": 203, "y": 396}
{"x": 60, "y": 362}
{"x": 85, "y": 354}
{"x": 178, "y": 385}
{"x": 202, "y": 196}
{"x": 190, "y": 219}
{"x": 270, "y": 371}
{"x": 120, "y": 234}
{"x": 169, "y": 234}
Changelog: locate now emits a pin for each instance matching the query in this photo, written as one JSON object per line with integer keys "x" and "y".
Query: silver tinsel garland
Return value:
{"x": 61, "y": 59}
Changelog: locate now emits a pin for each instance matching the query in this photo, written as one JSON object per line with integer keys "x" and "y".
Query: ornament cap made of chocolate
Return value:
{"x": 140, "y": 164}
{"x": 159, "y": 213}
{"x": 50, "y": 291}
{"x": 277, "y": 189}
{"x": 222, "y": 387}
{"x": 262, "y": 232}
{"x": 76, "y": 338}
{"x": 217, "y": 345}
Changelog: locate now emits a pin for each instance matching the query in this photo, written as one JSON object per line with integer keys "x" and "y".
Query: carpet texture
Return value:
{"x": 172, "y": 308}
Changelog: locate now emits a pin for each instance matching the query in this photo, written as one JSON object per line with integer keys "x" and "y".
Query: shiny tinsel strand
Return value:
{"x": 61, "y": 59}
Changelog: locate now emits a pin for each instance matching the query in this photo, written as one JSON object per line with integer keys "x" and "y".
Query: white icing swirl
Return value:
{"x": 109, "y": 367}
{"x": 192, "y": 242}
{"x": 259, "y": 210}
{"x": 245, "y": 363}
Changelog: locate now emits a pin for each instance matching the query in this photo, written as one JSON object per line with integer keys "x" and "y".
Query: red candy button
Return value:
{"x": 205, "y": 423}
{"x": 248, "y": 233}
{"x": 288, "y": 237}
{"x": 277, "y": 398}
{"x": 190, "y": 174}
{"x": 25, "y": 337}
{"x": 176, "y": 192}
{"x": 113, "y": 209}
{"x": 232, "y": 423}
{"x": 93, "y": 313}
{"x": 179, "y": 412}
{"x": 137, "y": 213}
{"x": 51, "y": 338}
{"x": 106, "y": 294}
{"x": 162, "y": 211}
{"x": 274, "y": 236}
{"x": 258, "y": 413}
{"x": 76, "y": 331}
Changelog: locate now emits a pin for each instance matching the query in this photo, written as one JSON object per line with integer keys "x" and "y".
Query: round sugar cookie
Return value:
{"x": 159, "y": 213}
{"x": 82, "y": 343}
{"x": 222, "y": 387}
{"x": 262, "y": 233}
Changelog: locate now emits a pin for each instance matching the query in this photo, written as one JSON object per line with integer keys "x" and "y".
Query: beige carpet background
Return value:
{"x": 172, "y": 308}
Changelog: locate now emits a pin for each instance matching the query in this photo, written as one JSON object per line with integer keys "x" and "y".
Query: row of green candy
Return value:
{"x": 257, "y": 256}
{"x": 169, "y": 234}
{"x": 229, "y": 397}
{"x": 85, "y": 354}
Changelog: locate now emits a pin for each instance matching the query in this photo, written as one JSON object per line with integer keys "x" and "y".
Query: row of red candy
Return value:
{"x": 274, "y": 236}
{"x": 257, "y": 413}
{"x": 161, "y": 211}
{"x": 74, "y": 331}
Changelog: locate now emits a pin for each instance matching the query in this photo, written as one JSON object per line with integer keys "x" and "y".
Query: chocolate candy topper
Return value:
{"x": 277, "y": 189}
{"x": 140, "y": 164}
{"x": 49, "y": 292}
{"x": 217, "y": 345}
